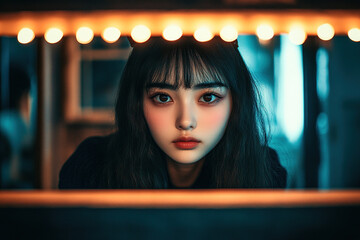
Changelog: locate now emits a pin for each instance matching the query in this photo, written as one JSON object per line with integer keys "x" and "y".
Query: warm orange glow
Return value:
{"x": 203, "y": 34}
{"x": 157, "y": 199}
{"x": 354, "y": 34}
{"x": 140, "y": 33}
{"x": 25, "y": 35}
{"x": 244, "y": 20}
{"x": 84, "y": 35}
{"x": 172, "y": 33}
{"x": 111, "y": 34}
{"x": 325, "y": 32}
{"x": 229, "y": 33}
{"x": 297, "y": 35}
{"x": 53, "y": 35}
{"x": 265, "y": 32}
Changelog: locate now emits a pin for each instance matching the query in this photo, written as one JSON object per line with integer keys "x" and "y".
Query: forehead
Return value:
{"x": 184, "y": 68}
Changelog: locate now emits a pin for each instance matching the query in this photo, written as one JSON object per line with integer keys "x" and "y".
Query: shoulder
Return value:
{"x": 279, "y": 173}
{"x": 83, "y": 168}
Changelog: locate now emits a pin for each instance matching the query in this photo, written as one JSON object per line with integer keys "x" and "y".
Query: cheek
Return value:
{"x": 215, "y": 118}
{"x": 155, "y": 118}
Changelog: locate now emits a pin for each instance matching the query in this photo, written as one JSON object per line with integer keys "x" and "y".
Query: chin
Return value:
{"x": 186, "y": 160}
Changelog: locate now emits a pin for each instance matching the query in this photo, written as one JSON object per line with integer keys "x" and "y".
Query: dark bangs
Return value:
{"x": 182, "y": 63}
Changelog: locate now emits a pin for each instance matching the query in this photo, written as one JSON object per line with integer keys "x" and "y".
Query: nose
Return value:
{"x": 186, "y": 117}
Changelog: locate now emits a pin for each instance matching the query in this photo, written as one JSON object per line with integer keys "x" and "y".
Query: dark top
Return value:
{"x": 83, "y": 169}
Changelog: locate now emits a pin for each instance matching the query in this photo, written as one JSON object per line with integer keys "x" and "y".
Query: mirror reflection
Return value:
{"x": 53, "y": 97}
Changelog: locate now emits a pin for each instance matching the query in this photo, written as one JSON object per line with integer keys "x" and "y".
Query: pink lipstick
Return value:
{"x": 186, "y": 143}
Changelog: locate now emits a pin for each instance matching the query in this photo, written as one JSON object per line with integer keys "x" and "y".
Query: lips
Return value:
{"x": 186, "y": 143}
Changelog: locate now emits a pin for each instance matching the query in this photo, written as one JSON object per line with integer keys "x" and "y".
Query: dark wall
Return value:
{"x": 36, "y": 5}
{"x": 340, "y": 222}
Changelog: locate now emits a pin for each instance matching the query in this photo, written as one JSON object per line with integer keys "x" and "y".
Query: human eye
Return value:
{"x": 210, "y": 98}
{"x": 161, "y": 98}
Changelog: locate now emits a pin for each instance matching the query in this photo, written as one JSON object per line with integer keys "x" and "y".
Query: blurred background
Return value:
{"x": 53, "y": 96}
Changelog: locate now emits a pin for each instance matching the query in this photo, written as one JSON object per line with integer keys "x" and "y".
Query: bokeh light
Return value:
{"x": 140, "y": 33}
{"x": 354, "y": 34}
{"x": 297, "y": 35}
{"x": 325, "y": 32}
{"x": 84, "y": 35}
{"x": 203, "y": 34}
{"x": 265, "y": 32}
{"x": 25, "y": 35}
{"x": 172, "y": 33}
{"x": 111, "y": 34}
{"x": 229, "y": 33}
{"x": 53, "y": 35}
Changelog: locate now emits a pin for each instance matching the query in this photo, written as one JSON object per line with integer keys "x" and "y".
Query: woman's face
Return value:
{"x": 187, "y": 123}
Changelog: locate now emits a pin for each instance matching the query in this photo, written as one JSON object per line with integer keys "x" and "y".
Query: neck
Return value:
{"x": 184, "y": 175}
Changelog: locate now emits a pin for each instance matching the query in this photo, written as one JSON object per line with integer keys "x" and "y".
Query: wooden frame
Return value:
{"x": 73, "y": 111}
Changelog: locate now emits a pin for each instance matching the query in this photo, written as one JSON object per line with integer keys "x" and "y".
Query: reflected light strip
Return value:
{"x": 291, "y": 90}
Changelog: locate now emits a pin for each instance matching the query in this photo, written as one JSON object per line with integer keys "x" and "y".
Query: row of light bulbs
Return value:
{"x": 141, "y": 33}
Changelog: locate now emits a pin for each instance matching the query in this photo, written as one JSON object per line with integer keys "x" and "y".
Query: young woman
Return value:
{"x": 187, "y": 116}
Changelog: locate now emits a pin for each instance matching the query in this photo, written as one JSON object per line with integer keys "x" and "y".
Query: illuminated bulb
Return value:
{"x": 172, "y": 33}
{"x": 53, "y": 35}
{"x": 140, "y": 33}
{"x": 203, "y": 34}
{"x": 84, "y": 35}
{"x": 297, "y": 35}
{"x": 354, "y": 34}
{"x": 25, "y": 35}
{"x": 264, "y": 32}
{"x": 325, "y": 32}
{"x": 228, "y": 34}
{"x": 111, "y": 34}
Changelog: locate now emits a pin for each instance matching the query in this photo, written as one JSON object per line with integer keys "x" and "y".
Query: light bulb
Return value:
{"x": 229, "y": 33}
{"x": 354, "y": 34}
{"x": 25, "y": 35}
{"x": 265, "y": 32}
{"x": 140, "y": 33}
{"x": 297, "y": 35}
{"x": 203, "y": 34}
{"x": 325, "y": 32}
{"x": 111, "y": 34}
{"x": 53, "y": 35}
{"x": 84, "y": 35}
{"x": 172, "y": 33}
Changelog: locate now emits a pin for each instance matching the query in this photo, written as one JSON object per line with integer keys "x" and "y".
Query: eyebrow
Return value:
{"x": 197, "y": 86}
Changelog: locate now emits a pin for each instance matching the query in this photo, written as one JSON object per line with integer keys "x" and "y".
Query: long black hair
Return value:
{"x": 239, "y": 160}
